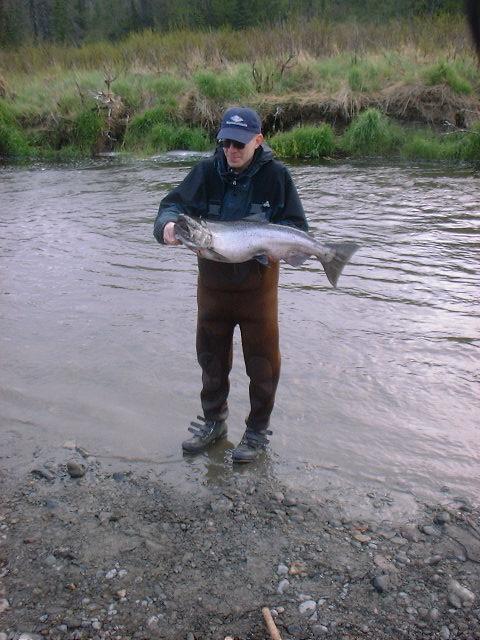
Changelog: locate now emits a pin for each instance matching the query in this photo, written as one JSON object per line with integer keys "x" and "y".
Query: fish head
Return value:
{"x": 192, "y": 232}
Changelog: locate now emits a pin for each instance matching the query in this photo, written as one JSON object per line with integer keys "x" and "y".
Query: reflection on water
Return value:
{"x": 379, "y": 377}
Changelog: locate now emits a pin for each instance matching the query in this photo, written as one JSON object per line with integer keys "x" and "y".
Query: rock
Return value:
{"x": 297, "y": 568}
{"x": 295, "y": 630}
{"x": 432, "y": 560}
{"x": 429, "y": 530}
{"x": 459, "y": 594}
{"x": 443, "y": 517}
{"x": 75, "y": 469}
{"x": 221, "y": 506}
{"x": 434, "y": 614}
{"x": 30, "y": 636}
{"x": 445, "y": 633}
{"x": 282, "y": 570}
{"x": 361, "y": 537}
{"x": 283, "y": 585}
{"x": 319, "y": 630}
{"x": 380, "y": 583}
{"x": 410, "y": 532}
{"x": 307, "y": 607}
{"x": 46, "y": 474}
{"x": 279, "y": 497}
{"x": 4, "y": 605}
{"x": 3, "y": 636}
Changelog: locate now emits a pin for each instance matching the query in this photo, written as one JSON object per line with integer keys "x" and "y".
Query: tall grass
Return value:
{"x": 13, "y": 142}
{"x": 371, "y": 133}
{"x": 195, "y": 50}
{"x": 305, "y": 142}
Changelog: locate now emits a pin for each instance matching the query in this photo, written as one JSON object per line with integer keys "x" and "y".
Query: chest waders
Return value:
{"x": 245, "y": 295}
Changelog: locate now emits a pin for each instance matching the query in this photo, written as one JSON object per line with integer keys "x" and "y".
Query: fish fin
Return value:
{"x": 296, "y": 259}
{"x": 341, "y": 252}
{"x": 263, "y": 259}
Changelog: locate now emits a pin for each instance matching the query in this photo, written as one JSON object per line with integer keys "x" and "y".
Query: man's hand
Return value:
{"x": 169, "y": 234}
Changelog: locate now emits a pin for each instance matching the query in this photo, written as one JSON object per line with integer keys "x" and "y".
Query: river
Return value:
{"x": 379, "y": 392}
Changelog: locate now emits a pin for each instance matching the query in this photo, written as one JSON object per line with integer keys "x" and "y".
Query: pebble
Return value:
{"x": 75, "y": 469}
{"x": 380, "y": 583}
{"x": 433, "y": 560}
{"x": 458, "y": 594}
{"x": 429, "y": 530}
{"x": 3, "y": 636}
{"x": 283, "y": 585}
{"x": 443, "y": 517}
{"x": 434, "y": 614}
{"x": 410, "y": 532}
{"x": 111, "y": 574}
{"x": 4, "y": 605}
{"x": 282, "y": 569}
{"x": 46, "y": 474}
{"x": 445, "y": 633}
{"x": 308, "y": 606}
{"x": 279, "y": 497}
{"x": 319, "y": 629}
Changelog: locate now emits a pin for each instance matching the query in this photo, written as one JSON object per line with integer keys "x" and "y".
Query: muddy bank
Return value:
{"x": 407, "y": 104}
{"x": 90, "y": 553}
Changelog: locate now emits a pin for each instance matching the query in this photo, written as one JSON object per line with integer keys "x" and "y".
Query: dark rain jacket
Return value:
{"x": 264, "y": 191}
{"x": 213, "y": 191}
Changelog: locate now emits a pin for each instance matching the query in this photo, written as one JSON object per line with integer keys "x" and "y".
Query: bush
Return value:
{"x": 371, "y": 133}
{"x": 426, "y": 147}
{"x": 13, "y": 141}
{"x": 443, "y": 73}
{"x": 223, "y": 87}
{"x": 470, "y": 148}
{"x": 87, "y": 129}
{"x": 141, "y": 126}
{"x": 305, "y": 142}
{"x": 165, "y": 137}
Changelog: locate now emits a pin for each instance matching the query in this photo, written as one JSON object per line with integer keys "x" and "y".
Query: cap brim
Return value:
{"x": 235, "y": 133}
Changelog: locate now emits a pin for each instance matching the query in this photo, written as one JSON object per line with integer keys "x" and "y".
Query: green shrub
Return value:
{"x": 142, "y": 125}
{"x": 421, "y": 147}
{"x": 129, "y": 92}
{"x": 355, "y": 79}
{"x": 166, "y": 86}
{"x": 165, "y": 137}
{"x": 470, "y": 146}
{"x": 371, "y": 133}
{"x": 223, "y": 87}
{"x": 87, "y": 129}
{"x": 444, "y": 73}
{"x": 305, "y": 142}
{"x": 13, "y": 141}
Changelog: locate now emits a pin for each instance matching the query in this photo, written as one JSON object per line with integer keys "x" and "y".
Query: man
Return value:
{"x": 240, "y": 181}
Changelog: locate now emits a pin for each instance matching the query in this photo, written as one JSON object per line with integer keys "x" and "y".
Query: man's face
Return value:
{"x": 239, "y": 159}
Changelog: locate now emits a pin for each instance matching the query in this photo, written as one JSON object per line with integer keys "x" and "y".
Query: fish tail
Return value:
{"x": 342, "y": 252}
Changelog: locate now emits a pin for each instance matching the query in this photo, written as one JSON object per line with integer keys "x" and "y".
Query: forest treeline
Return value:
{"x": 78, "y": 21}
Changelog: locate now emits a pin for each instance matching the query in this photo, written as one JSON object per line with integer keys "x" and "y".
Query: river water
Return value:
{"x": 379, "y": 392}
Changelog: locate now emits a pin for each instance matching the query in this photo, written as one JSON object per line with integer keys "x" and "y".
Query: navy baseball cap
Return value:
{"x": 241, "y": 124}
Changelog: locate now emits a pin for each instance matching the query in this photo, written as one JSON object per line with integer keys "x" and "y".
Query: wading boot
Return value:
{"x": 251, "y": 445}
{"x": 204, "y": 434}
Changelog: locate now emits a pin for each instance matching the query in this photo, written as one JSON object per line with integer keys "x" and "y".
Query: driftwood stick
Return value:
{"x": 271, "y": 626}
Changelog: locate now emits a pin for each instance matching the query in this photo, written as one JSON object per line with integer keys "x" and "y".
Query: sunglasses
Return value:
{"x": 227, "y": 143}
